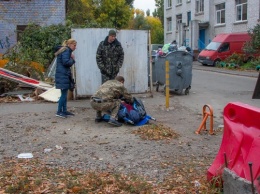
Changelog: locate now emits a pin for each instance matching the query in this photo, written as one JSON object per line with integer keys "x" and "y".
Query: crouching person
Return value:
{"x": 108, "y": 99}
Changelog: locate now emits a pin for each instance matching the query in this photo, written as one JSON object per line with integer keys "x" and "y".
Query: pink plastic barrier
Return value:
{"x": 240, "y": 143}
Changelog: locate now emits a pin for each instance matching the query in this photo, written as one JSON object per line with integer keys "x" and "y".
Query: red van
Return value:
{"x": 222, "y": 46}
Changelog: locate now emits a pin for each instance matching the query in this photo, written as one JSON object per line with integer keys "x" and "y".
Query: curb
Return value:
{"x": 197, "y": 66}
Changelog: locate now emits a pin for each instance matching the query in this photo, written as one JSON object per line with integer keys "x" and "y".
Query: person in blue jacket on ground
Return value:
{"x": 63, "y": 75}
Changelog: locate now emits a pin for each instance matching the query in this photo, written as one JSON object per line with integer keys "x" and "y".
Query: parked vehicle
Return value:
{"x": 223, "y": 46}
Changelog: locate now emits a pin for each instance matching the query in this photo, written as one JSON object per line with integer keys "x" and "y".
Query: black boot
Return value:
{"x": 99, "y": 117}
{"x": 114, "y": 122}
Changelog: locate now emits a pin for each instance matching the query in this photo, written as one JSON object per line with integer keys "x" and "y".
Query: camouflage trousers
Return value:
{"x": 112, "y": 107}
{"x": 106, "y": 78}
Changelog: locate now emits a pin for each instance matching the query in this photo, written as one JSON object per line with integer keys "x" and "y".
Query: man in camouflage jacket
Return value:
{"x": 108, "y": 98}
{"x": 109, "y": 56}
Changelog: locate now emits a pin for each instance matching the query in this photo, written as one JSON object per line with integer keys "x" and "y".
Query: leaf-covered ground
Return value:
{"x": 34, "y": 176}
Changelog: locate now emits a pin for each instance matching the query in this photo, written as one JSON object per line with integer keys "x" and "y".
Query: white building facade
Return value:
{"x": 195, "y": 23}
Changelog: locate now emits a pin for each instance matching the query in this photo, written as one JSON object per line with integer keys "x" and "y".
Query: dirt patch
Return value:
{"x": 80, "y": 143}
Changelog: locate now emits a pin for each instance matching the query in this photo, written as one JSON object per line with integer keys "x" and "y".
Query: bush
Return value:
{"x": 252, "y": 64}
{"x": 34, "y": 52}
{"x": 237, "y": 59}
{"x": 253, "y": 46}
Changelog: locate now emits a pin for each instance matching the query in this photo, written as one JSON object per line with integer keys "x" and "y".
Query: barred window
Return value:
{"x": 169, "y": 3}
{"x": 178, "y": 20}
{"x": 220, "y": 13}
{"x": 199, "y": 6}
{"x": 179, "y": 2}
{"x": 169, "y": 24}
{"x": 241, "y": 10}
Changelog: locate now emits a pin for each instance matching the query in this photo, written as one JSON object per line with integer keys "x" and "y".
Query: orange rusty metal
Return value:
{"x": 206, "y": 114}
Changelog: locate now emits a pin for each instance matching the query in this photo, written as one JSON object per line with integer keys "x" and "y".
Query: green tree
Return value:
{"x": 80, "y": 12}
{"x": 139, "y": 22}
{"x": 130, "y": 3}
{"x": 253, "y": 45}
{"x": 159, "y": 11}
{"x": 148, "y": 12}
{"x": 157, "y": 35}
{"x": 113, "y": 13}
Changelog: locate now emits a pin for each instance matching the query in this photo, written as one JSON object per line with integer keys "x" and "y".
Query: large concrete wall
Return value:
{"x": 19, "y": 12}
{"x": 134, "y": 69}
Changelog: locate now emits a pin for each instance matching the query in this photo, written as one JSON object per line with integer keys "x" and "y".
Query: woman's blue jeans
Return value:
{"x": 62, "y": 104}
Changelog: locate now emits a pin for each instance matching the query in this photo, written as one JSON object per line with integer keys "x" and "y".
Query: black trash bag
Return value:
{"x": 139, "y": 107}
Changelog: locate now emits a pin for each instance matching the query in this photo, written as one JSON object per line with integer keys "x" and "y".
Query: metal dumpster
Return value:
{"x": 180, "y": 71}
{"x": 153, "y": 59}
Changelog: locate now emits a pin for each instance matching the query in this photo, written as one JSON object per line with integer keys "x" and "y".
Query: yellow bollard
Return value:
{"x": 167, "y": 83}
{"x": 205, "y": 116}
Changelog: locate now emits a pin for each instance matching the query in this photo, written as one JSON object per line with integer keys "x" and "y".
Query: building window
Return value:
{"x": 178, "y": 20}
{"x": 188, "y": 18}
{"x": 199, "y": 6}
{"x": 169, "y": 24}
{"x": 241, "y": 10}
{"x": 220, "y": 13}
{"x": 169, "y": 3}
{"x": 19, "y": 30}
{"x": 179, "y": 2}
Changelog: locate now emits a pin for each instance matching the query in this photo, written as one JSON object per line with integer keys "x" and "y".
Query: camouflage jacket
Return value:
{"x": 113, "y": 89}
{"x": 109, "y": 57}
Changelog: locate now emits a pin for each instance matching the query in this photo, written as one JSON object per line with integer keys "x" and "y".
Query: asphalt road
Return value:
{"x": 218, "y": 87}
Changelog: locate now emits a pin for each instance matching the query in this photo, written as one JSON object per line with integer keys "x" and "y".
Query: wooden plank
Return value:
{"x": 52, "y": 95}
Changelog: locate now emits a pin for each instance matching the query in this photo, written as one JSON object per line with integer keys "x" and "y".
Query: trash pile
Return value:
{"x": 16, "y": 87}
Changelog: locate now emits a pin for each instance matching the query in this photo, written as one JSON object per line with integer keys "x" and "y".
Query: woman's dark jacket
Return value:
{"x": 63, "y": 74}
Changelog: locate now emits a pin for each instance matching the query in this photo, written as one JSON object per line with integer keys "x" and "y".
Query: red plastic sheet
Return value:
{"x": 15, "y": 76}
{"x": 240, "y": 143}
{"x": 23, "y": 79}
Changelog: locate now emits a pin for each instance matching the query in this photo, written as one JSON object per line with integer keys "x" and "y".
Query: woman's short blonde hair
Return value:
{"x": 69, "y": 41}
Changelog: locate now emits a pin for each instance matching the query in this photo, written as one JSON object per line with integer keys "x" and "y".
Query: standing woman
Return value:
{"x": 63, "y": 75}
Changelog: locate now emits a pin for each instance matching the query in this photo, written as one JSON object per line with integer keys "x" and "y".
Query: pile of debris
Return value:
{"x": 17, "y": 87}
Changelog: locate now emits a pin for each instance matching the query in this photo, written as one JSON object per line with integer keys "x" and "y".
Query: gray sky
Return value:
{"x": 144, "y": 5}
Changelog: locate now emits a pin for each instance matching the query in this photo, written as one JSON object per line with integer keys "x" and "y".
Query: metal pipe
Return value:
{"x": 205, "y": 115}
{"x": 150, "y": 62}
{"x": 167, "y": 83}
{"x": 251, "y": 175}
{"x": 225, "y": 158}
